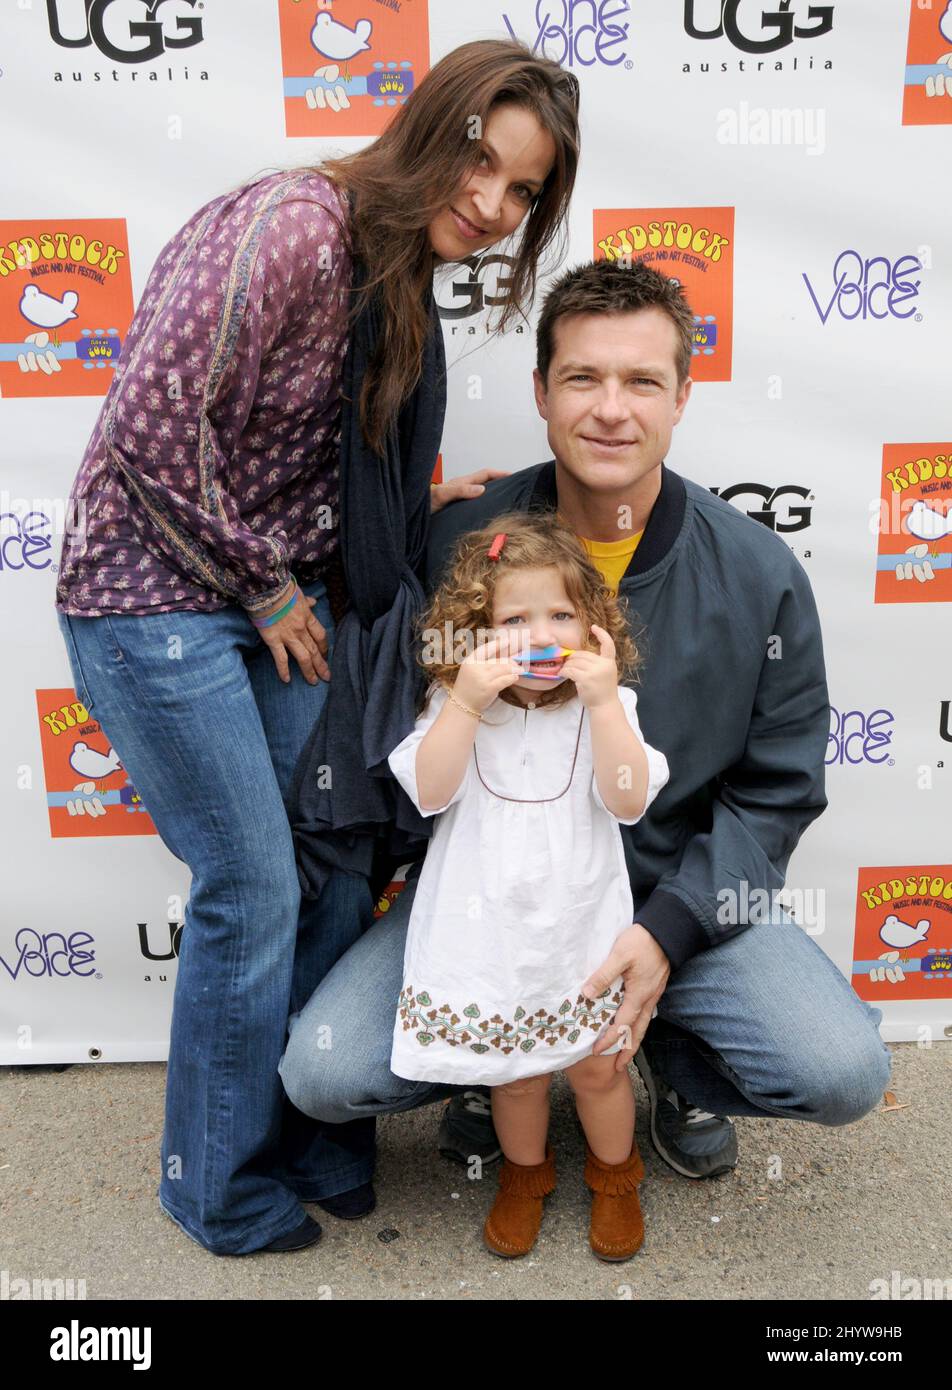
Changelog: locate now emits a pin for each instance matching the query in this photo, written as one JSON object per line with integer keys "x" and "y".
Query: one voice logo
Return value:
{"x": 869, "y": 287}
{"x": 580, "y": 32}
{"x": 25, "y": 541}
{"x": 109, "y": 25}
{"x": 75, "y": 1343}
{"x": 48, "y": 954}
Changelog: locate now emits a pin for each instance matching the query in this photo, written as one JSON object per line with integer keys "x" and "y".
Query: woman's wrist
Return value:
{"x": 264, "y": 616}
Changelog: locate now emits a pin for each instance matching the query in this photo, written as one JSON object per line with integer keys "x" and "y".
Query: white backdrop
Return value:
{"x": 827, "y": 371}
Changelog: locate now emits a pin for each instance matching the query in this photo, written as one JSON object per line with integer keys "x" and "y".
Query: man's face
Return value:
{"x": 612, "y": 398}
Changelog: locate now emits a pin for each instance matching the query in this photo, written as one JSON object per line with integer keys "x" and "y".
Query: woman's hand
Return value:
{"x": 298, "y": 633}
{"x": 595, "y": 673}
{"x": 645, "y": 969}
{"x": 485, "y": 672}
{"x": 457, "y": 489}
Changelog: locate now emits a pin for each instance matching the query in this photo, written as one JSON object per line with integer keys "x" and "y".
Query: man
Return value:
{"x": 730, "y": 1011}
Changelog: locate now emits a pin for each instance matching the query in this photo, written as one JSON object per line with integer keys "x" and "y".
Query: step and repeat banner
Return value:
{"x": 788, "y": 161}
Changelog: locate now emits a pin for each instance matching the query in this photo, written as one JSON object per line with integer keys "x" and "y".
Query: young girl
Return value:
{"x": 530, "y": 752}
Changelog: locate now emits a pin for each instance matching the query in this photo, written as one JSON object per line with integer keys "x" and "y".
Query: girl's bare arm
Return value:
{"x": 442, "y": 755}
{"x": 620, "y": 761}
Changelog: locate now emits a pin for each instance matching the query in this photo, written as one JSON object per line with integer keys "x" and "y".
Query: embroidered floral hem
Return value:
{"x": 524, "y": 1030}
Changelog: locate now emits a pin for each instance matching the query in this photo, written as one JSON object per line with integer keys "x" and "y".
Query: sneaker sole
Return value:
{"x": 659, "y": 1148}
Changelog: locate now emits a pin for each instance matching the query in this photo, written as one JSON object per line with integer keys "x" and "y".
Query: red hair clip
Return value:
{"x": 495, "y": 550}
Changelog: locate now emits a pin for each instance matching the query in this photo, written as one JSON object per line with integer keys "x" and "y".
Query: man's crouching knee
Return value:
{"x": 854, "y": 1087}
{"x": 310, "y": 1084}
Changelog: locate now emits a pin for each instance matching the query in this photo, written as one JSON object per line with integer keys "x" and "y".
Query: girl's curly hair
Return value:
{"x": 463, "y": 603}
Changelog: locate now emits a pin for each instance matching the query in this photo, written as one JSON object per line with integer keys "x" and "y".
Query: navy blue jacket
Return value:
{"x": 742, "y": 719}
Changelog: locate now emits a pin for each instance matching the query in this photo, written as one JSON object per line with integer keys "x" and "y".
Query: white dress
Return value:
{"x": 518, "y": 900}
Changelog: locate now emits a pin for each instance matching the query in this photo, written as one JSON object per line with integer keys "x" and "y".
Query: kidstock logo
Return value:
{"x": 775, "y": 517}
{"x": 579, "y": 32}
{"x": 874, "y": 288}
{"x": 126, "y": 31}
{"x": 780, "y": 24}
{"x": 693, "y": 245}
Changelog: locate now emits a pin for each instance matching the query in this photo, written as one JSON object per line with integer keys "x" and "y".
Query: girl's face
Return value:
{"x": 534, "y": 605}
{"x": 516, "y": 155}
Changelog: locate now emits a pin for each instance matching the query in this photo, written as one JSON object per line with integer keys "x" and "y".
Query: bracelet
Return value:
{"x": 266, "y": 622}
{"x": 465, "y": 708}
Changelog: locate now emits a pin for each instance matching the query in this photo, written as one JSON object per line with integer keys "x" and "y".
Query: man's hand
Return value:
{"x": 458, "y": 489}
{"x": 645, "y": 968}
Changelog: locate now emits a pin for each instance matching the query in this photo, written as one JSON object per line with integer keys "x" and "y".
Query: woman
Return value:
{"x": 212, "y": 556}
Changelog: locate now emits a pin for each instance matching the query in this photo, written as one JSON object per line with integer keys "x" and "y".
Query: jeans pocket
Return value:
{"x": 76, "y": 666}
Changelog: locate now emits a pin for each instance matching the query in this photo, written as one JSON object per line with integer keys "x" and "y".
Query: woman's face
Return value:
{"x": 516, "y": 155}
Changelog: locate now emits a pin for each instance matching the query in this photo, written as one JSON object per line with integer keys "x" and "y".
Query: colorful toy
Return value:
{"x": 543, "y": 654}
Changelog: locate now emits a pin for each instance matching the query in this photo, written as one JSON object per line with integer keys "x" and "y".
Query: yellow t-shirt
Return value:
{"x": 612, "y": 558}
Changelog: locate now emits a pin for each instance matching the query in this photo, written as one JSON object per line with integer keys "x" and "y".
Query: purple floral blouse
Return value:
{"x": 212, "y": 473}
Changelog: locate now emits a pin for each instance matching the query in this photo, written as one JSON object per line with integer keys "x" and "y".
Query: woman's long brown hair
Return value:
{"x": 405, "y": 177}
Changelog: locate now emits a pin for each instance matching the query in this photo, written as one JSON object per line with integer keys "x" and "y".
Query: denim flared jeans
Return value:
{"x": 209, "y": 735}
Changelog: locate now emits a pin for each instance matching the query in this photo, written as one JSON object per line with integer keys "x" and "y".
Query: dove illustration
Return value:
{"x": 928, "y": 524}
{"x": 45, "y": 310}
{"x": 93, "y": 765}
{"x": 900, "y": 934}
{"x": 334, "y": 40}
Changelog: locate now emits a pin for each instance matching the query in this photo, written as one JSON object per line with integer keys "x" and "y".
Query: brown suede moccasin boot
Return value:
{"x": 617, "y": 1228}
{"x": 513, "y": 1224}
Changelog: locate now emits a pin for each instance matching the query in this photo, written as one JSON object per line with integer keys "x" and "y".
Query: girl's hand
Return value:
{"x": 458, "y": 489}
{"x": 486, "y": 671}
{"x": 595, "y": 673}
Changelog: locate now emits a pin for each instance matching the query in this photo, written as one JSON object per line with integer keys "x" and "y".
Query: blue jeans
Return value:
{"x": 209, "y": 735}
{"x": 764, "y": 1024}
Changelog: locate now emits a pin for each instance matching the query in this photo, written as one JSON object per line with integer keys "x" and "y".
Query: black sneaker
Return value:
{"x": 692, "y": 1141}
{"x": 466, "y": 1129}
